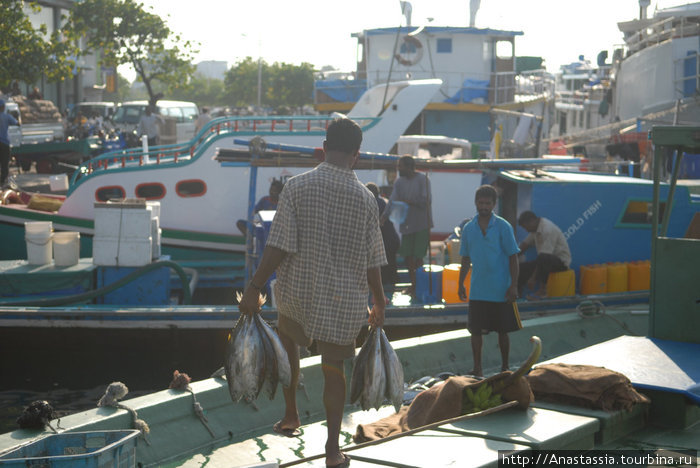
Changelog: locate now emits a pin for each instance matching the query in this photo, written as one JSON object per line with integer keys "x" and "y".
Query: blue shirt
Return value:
{"x": 489, "y": 256}
{"x": 265, "y": 203}
{"x": 5, "y": 121}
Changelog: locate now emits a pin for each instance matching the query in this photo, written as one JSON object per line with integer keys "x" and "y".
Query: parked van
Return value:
{"x": 127, "y": 116}
{"x": 93, "y": 109}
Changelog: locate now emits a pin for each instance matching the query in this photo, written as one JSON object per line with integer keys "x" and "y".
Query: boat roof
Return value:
{"x": 548, "y": 176}
{"x": 439, "y": 30}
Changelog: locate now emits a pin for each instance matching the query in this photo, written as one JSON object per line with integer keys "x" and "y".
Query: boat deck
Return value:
{"x": 512, "y": 430}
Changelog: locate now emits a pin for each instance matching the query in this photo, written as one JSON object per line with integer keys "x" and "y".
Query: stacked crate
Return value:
{"x": 127, "y": 233}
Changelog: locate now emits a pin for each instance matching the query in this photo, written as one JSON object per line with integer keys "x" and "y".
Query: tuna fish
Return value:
{"x": 394, "y": 373}
{"x": 377, "y": 373}
{"x": 255, "y": 359}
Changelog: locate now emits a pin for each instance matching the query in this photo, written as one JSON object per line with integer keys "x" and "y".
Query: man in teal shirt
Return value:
{"x": 489, "y": 246}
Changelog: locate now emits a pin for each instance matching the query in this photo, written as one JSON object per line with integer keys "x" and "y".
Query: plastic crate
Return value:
{"x": 95, "y": 449}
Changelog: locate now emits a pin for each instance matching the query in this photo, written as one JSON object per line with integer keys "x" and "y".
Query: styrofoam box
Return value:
{"x": 121, "y": 252}
{"x": 113, "y": 221}
{"x": 154, "y": 206}
{"x": 155, "y": 237}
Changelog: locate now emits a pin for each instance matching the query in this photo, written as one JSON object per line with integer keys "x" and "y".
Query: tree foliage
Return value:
{"x": 282, "y": 84}
{"x": 125, "y": 33}
{"x": 202, "y": 91}
{"x": 27, "y": 54}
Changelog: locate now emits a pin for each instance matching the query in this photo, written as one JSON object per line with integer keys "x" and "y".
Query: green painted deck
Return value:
{"x": 613, "y": 425}
{"x": 537, "y": 428}
{"x": 425, "y": 449}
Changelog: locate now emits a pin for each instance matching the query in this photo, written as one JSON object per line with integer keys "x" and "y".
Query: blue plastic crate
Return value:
{"x": 96, "y": 449}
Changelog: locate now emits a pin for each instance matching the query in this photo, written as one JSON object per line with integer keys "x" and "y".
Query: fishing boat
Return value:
{"x": 189, "y": 179}
{"x": 605, "y": 109}
{"x": 239, "y": 434}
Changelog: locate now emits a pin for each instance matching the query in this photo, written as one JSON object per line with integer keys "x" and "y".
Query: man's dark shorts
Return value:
{"x": 485, "y": 316}
{"x": 415, "y": 244}
{"x": 328, "y": 350}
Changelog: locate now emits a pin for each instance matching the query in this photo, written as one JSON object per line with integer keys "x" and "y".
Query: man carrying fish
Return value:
{"x": 326, "y": 245}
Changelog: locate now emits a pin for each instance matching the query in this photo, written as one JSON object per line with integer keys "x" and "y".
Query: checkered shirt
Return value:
{"x": 328, "y": 224}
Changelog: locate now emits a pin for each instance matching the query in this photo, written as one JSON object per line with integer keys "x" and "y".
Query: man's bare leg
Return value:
{"x": 291, "y": 414}
{"x": 334, "y": 402}
{"x": 504, "y": 345}
{"x": 477, "y": 341}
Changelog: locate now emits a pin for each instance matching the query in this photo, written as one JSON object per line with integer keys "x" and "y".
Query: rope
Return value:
{"x": 181, "y": 381}
{"x": 116, "y": 391}
{"x": 37, "y": 416}
{"x": 589, "y": 309}
{"x": 463, "y": 417}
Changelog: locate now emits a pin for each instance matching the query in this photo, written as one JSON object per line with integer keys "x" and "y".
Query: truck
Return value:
{"x": 40, "y": 138}
{"x": 40, "y": 120}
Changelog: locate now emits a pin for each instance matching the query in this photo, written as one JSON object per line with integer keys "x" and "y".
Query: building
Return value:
{"x": 88, "y": 80}
{"x": 212, "y": 69}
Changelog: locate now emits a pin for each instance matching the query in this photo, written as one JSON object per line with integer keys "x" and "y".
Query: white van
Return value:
{"x": 128, "y": 114}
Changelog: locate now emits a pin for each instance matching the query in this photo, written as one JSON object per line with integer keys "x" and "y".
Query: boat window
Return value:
{"x": 504, "y": 49}
{"x": 638, "y": 213}
{"x": 444, "y": 46}
{"x": 190, "y": 113}
{"x": 191, "y": 188}
{"x": 174, "y": 112}
{"x": 150, "y": 191}
{"x": 112, "y": 192}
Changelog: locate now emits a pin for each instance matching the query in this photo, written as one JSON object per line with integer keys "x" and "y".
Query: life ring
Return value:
{"x": 410, "y": 41}
{"x": 9, "y": 196}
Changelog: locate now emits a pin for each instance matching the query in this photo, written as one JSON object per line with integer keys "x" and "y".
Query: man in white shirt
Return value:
{"x": 553, "y": 254}
{"x": 148, "y": 125}
{"x": 203, "y": 119}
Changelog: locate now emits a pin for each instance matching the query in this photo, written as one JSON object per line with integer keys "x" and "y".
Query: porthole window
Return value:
{"x": 150, "y": 191}
{"x": 191, "y": 188}
{"x": 112, "y": 192}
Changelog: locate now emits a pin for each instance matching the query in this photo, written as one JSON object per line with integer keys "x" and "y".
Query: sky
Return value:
{"x": 319, "y": 31}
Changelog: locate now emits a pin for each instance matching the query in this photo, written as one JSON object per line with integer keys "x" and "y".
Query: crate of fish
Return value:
{"x": 94, "y": 449}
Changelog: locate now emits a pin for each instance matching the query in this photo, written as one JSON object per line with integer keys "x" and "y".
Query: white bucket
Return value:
{"x": 58, "y": 182}
{"x": 66, "y": 248}
{"x": 38, "y": 228}
{"x": 38, "y": 248}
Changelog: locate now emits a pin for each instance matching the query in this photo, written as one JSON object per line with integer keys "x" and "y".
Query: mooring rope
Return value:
{"x": 181, "y": 381}
{"x": 116, "y": 391}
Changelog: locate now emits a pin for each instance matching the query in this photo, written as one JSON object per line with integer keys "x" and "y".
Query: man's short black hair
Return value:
{"x": 277, "y": 183}
{"x": 343, "y": 135}
{"x": 526, "y": 217}
{"x": 486, "y": 191}
{"x": 408, "y": 161}
{"x": 373, "y": 188}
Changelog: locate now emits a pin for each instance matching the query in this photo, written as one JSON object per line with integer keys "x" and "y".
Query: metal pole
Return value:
{"x": 671, "y": 191}
{"x": 658, "y": 152}
{"x": 257, "y": 148}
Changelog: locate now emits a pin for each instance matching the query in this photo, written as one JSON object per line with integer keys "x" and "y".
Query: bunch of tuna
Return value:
{"x": 255, "y": 359}
{"x": 377, "y": 373}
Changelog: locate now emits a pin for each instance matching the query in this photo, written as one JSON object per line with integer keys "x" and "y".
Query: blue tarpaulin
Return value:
{"x": 342, "y": 90}
{"x": 471, "y": 90}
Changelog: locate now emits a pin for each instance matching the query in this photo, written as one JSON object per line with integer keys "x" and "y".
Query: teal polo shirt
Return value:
{"x": 489, "y": 255}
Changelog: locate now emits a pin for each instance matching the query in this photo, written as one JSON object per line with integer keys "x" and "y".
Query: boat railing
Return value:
{"x": 661, "y": 31}
{"x": 479, "y": 88}
{"x": 229, "y": 125}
